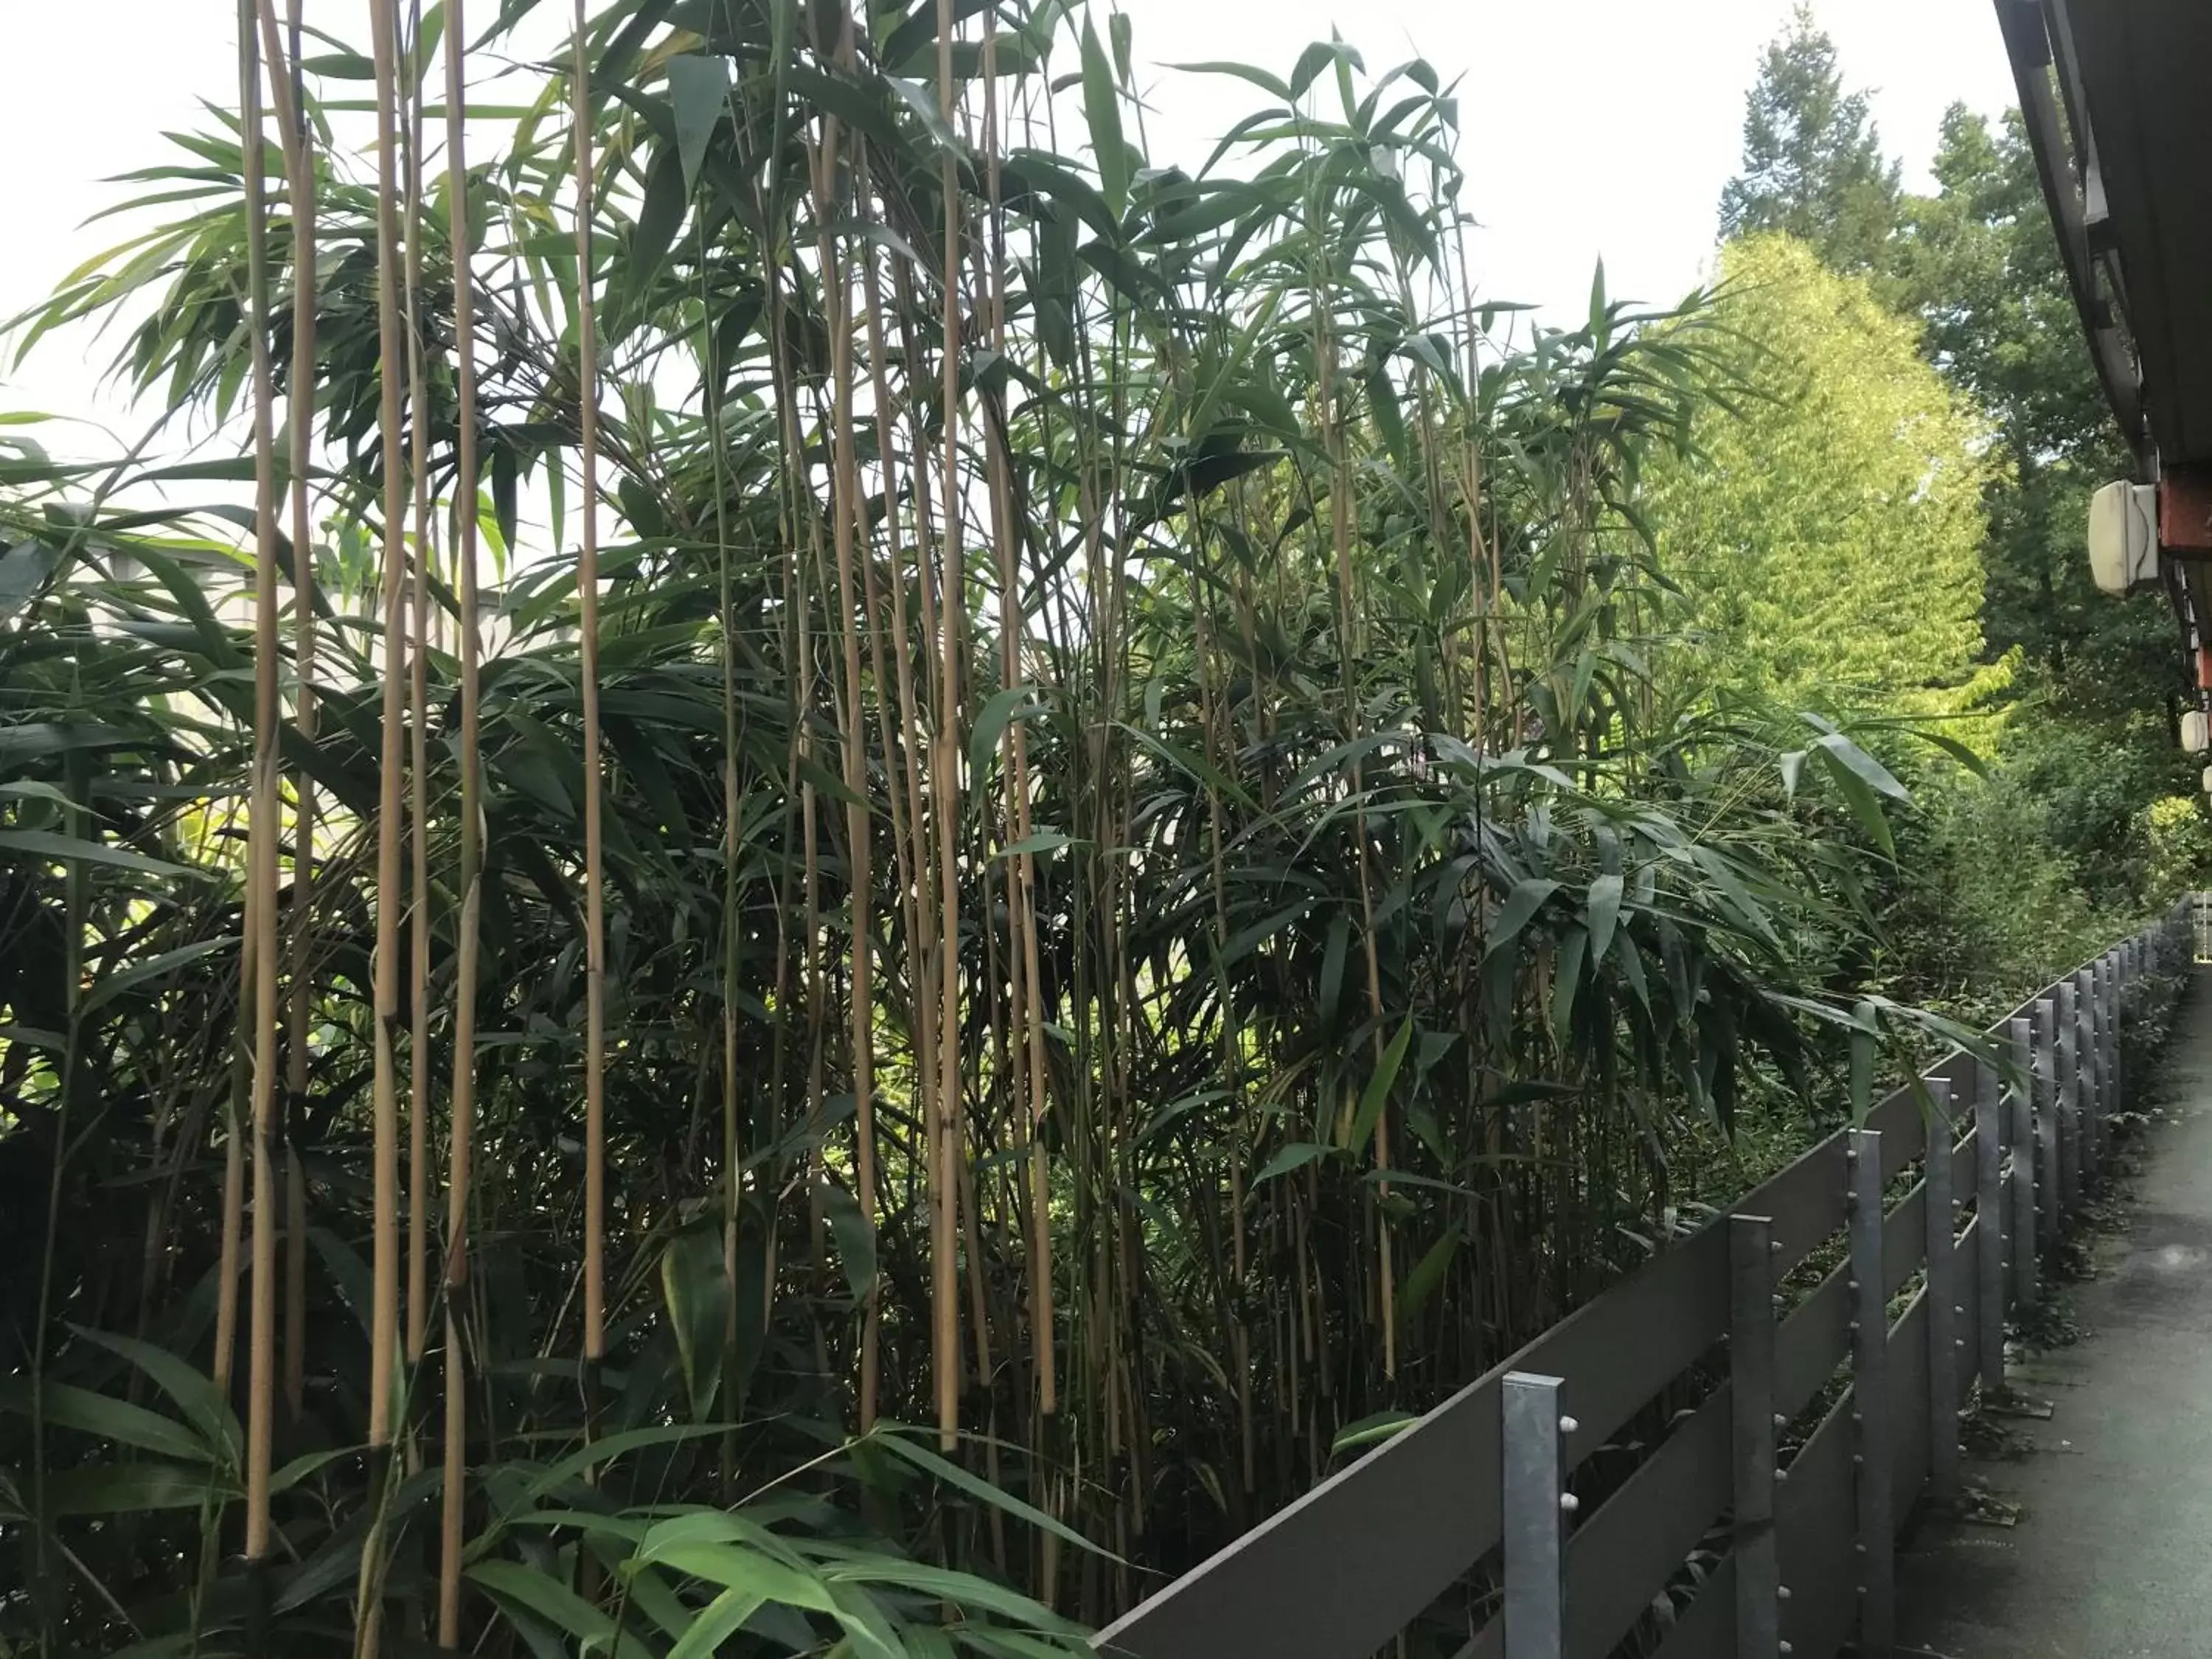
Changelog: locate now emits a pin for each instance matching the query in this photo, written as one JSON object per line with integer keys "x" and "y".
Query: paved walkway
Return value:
{"x": 2112, "y": 1556}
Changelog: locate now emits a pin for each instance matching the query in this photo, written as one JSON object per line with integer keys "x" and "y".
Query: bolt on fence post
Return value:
{"x": 2066, "y": 1077}
{"x": 1945, "y": 1288}
{"x": 1877, "y": 1535}
{"x": 1751, "y": 1387}
{"x": 2048, "y": 1212}
{"x": 1536, "y": 1506}
{"x": 2019, "y": 1108}
{"x": 1989, "y": 1231}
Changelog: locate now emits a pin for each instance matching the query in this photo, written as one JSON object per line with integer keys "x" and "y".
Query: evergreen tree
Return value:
{"x": 1830, "y": 541}
{"x": 1813, "y": 164}
{"x": 1977, "y": 263}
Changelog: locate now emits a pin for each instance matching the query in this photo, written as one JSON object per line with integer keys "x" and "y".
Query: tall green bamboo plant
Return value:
{"x": 1088, "y": 857}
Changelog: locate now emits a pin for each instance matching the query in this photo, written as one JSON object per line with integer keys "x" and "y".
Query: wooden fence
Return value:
{"x": 1837, "y": 1412}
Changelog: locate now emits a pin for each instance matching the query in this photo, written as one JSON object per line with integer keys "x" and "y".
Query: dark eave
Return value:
{"x": 2123, "y": 139}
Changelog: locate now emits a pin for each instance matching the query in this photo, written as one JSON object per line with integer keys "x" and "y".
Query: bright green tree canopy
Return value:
{"x": 1832, "y": 534}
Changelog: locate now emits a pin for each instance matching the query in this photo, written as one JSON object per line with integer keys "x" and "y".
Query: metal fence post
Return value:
{"x": 1536, "y": 1505}
{"x": 2115, "y": 1006}
{"x": 1875, "y": 1550}
{"x": 2090, "y": 1043}
{"x": 2088, "y": 1067}
{"x": 2108, "y": 1050}
{"x": 2019, "y": 1109}
{"x": 2047, "y": 1210}
{"x": 2066, "y": 1077}
{"x": 1751, "y": 1384}
{"x": 1944, "y": 1312}
{"x": 1989, "y": 1231}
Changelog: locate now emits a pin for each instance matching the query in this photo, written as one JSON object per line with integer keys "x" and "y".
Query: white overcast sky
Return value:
{"x": 1589, "y": 127}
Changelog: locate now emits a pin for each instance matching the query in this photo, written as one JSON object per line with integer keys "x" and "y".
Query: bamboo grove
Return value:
{"x": 898, "y": 862}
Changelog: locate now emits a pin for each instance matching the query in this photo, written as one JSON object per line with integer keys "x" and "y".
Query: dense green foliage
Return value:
{"x": 2089, "y": 815}
{"x": 1829, "y": 528}
{"x": 1194, "y": 845}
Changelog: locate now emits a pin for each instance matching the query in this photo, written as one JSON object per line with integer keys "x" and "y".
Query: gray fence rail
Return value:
{"x": 1810, "y": 1531}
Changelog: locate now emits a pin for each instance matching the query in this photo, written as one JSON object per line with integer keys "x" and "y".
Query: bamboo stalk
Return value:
{"x": 1024, "y": 982}
{"x": 909, "y": 823}
{"x": 945, "y": 1291}
{"x": 418, "y": 728}
{"x": 846, "y": 524}
{"x": 265, "y": 832}
{"x": 299, "y": 410}
{"x": 224, "y": 1358}
{"x": 472, "y": 850}
{"x": 390, "y": 903}
{"x": 587, "y": 590}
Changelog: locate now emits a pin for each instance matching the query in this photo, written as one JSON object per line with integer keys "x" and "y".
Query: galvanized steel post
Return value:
{"x": 1751, "y": 1386}
{"x": 2116, "y": 1002}
{"x": 2020, "y": 1112}
{"x": 1989, "y": 1231}
{"x": 2067, "y": 1079}
{"x": 2089, "y": 1046}
{"x": 2049, "y": 1211}
{"x": 1943, "y": 1294}
{"x": 2108, "y": 1085}
{"x": 1873, "y": 1550}
{"x": 2088, "y": 1067}
{"x": 1536, "y": 1506}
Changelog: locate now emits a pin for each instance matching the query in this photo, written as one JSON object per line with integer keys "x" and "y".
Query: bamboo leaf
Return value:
{"x": 1376, "y": 1095}
{"x": 1520, "y": 908}
{"x": 1382, "y": 1426}
{"x": 737, "y": 1568}
{"x": 47, "y": 844}
{"x": 64, "y": 1406}
{"x": 1102, "y": 109}
{"x": 1862, "y": 764}
{"x": 1603, "y": 914}
{"x": 1003, "y": 708}
{"x": 697, "y": 1292}
{"x": 202, "y": 1403}
{"x": 716, "y": 1623}
{"x": 892, "y": 1438}
{"x": 1295, "y": 1156}
{"x": 699, "y": 89}
{"x": 1271, "y": 84}
{"x": 855, "y": 1237}
{"x": 512, "y": 1585}
{"x": 128, "y": 1488}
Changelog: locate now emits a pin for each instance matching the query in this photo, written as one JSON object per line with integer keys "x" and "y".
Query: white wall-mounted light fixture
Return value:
{"x": 2196, "y": 731}
{"x": 2123, "y": 538}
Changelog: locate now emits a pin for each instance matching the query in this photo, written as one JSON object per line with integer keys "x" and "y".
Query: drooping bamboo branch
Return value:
{"x": 470, "y": 879}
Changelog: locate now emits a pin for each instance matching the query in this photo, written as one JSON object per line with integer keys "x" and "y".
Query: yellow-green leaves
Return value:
{"x": 1829, "y": 535}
